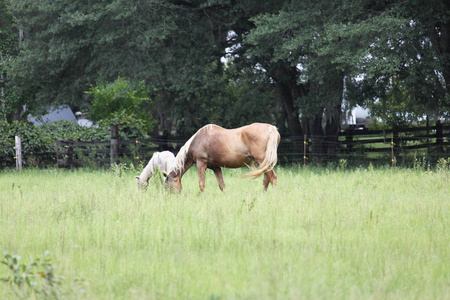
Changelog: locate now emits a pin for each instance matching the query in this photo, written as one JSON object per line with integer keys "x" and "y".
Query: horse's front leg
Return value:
{"x": 219, "y": 177}
{"x": 201, "y": 167}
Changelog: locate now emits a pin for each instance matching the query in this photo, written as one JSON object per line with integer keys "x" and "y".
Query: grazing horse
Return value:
{"x": 160, "y": 160}
{"x": 215, "y": 147}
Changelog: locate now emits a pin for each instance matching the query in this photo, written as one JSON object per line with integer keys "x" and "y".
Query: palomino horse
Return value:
{"x": 214, "y": 147}
{"x": 160, "y": 160}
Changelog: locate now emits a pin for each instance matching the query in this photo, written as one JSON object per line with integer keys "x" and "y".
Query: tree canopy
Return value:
{"x": 296, "y": 64}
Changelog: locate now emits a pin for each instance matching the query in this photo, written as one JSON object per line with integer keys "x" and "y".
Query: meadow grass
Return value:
{"x": 321, "y": 234}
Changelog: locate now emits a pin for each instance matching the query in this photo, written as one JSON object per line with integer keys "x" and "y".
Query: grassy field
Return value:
{"x": 322, "y": 234}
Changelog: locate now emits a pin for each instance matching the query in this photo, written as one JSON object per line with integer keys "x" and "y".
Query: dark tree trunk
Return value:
{"x": 17, "y": 115}
{"x": 290, "y": 111}
{"x": 285, "y": 78}
{"x": 323, "y": 138}
{"x": 332, "y": 129}
{"x": 286, "y": 84}
{"x": 317, "y": 136}
{"x": 439, "y": 34}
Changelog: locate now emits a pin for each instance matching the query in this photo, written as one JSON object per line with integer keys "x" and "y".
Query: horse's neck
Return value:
{"x": 147, "y": 172}
{"x": 168, "y": 163}
{"x": 179, "y": 171}
{"x": 182, "y": 162}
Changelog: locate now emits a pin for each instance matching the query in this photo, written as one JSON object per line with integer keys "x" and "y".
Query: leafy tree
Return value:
{"x": 314, "y": 51}
{"x": 397, "y": 107}
{"x": 172, "y": 44}
{"x": 300, "y": 59}
{"x": 10, "y": 100}
{"x": 121, "y": 100}
{"x": 432, "y": 20}
{"x": 402, "y": 68}
{"x": 302, "y": 48}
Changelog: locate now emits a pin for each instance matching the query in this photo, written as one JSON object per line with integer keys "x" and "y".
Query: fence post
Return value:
{"x": 395, "y": 145}
{"x": 114, "y": 153}
{"x": 349, "y": 140}
{"x": 70, "y": 154}
{"x": 305, "y": 143}
{"x": 392, "y": 150}
{"x": 57, "y": 154}
{"x": 137, "y": 152}
{"x": 18, "y": 154}
{"x": 439, "y": 138}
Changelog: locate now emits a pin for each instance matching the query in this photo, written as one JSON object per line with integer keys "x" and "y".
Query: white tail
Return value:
{"x": 271, "y": 158}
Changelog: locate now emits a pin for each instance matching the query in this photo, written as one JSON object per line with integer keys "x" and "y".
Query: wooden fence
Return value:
{"x": 393, "y": 146}
{"x": 399, "y": 143}
{"x": 71, "y": 153}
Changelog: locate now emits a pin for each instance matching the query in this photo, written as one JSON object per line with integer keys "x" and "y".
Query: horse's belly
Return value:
{"x": 223, "y": 151}
{"x": 235, "y": 161}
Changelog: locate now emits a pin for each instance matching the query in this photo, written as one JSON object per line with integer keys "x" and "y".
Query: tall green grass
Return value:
{"x": 321, "y": 234}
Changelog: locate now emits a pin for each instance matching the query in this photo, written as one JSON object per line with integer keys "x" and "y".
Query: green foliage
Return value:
{"x": 307, "y": 49}
{"x": 37, "y": 148}
{"x": 36, "y": 278}
{"x": 443, "y": 164}
{"x": 81, "y": 44}
{"x": 122, "y": 168}
{"x": 65, "y": 130}
{"x": 122, "y": 102}
{"x": 116, "y": 97}
{"x": 129, "y": 126}
{"x": 342, "y": 164}
{"x": 10, "y": 95}
{"x": 231, "y": 100}
{"x": 397, "y": 108}
{"x": 39, "y": 142}
{"x": 377, "y": 48}
{"x": 399, "y": 65}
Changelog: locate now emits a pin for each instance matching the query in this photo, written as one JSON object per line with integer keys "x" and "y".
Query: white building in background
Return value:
{"x": 82, "y": 121}
{"x": 359, "y": 117}
{"x": 62, "y": 112}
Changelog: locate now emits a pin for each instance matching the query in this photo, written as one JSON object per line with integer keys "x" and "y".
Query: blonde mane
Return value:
{"x": 178, "y": 164}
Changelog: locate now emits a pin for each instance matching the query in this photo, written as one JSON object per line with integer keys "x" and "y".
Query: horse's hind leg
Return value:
{"x": 270, "y": 177}
{"x": 219, "y": 177}
{"x": 273, "y": 178}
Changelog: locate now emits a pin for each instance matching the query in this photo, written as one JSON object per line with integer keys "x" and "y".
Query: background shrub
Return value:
{"x": 39, "y": 142}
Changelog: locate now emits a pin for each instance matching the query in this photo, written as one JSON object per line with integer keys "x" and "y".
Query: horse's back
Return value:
{"x": 232, "y": 148}
{"x": 237, "y": 139}
{"x": 258, "y": 134}
{"x": 165, "y": 160}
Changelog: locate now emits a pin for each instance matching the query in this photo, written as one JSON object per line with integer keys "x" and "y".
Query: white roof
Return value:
{"x": 62, "y": 112}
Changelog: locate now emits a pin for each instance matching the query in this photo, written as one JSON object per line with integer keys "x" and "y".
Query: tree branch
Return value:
{"x": 189, "y": 6}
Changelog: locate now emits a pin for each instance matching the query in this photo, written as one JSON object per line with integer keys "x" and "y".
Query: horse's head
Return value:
{"x": 142, "y": 184}
{"x": 173, "y": 182}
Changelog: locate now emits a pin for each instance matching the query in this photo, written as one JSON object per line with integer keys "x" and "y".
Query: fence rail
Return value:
{"x": 391, "y": 145}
